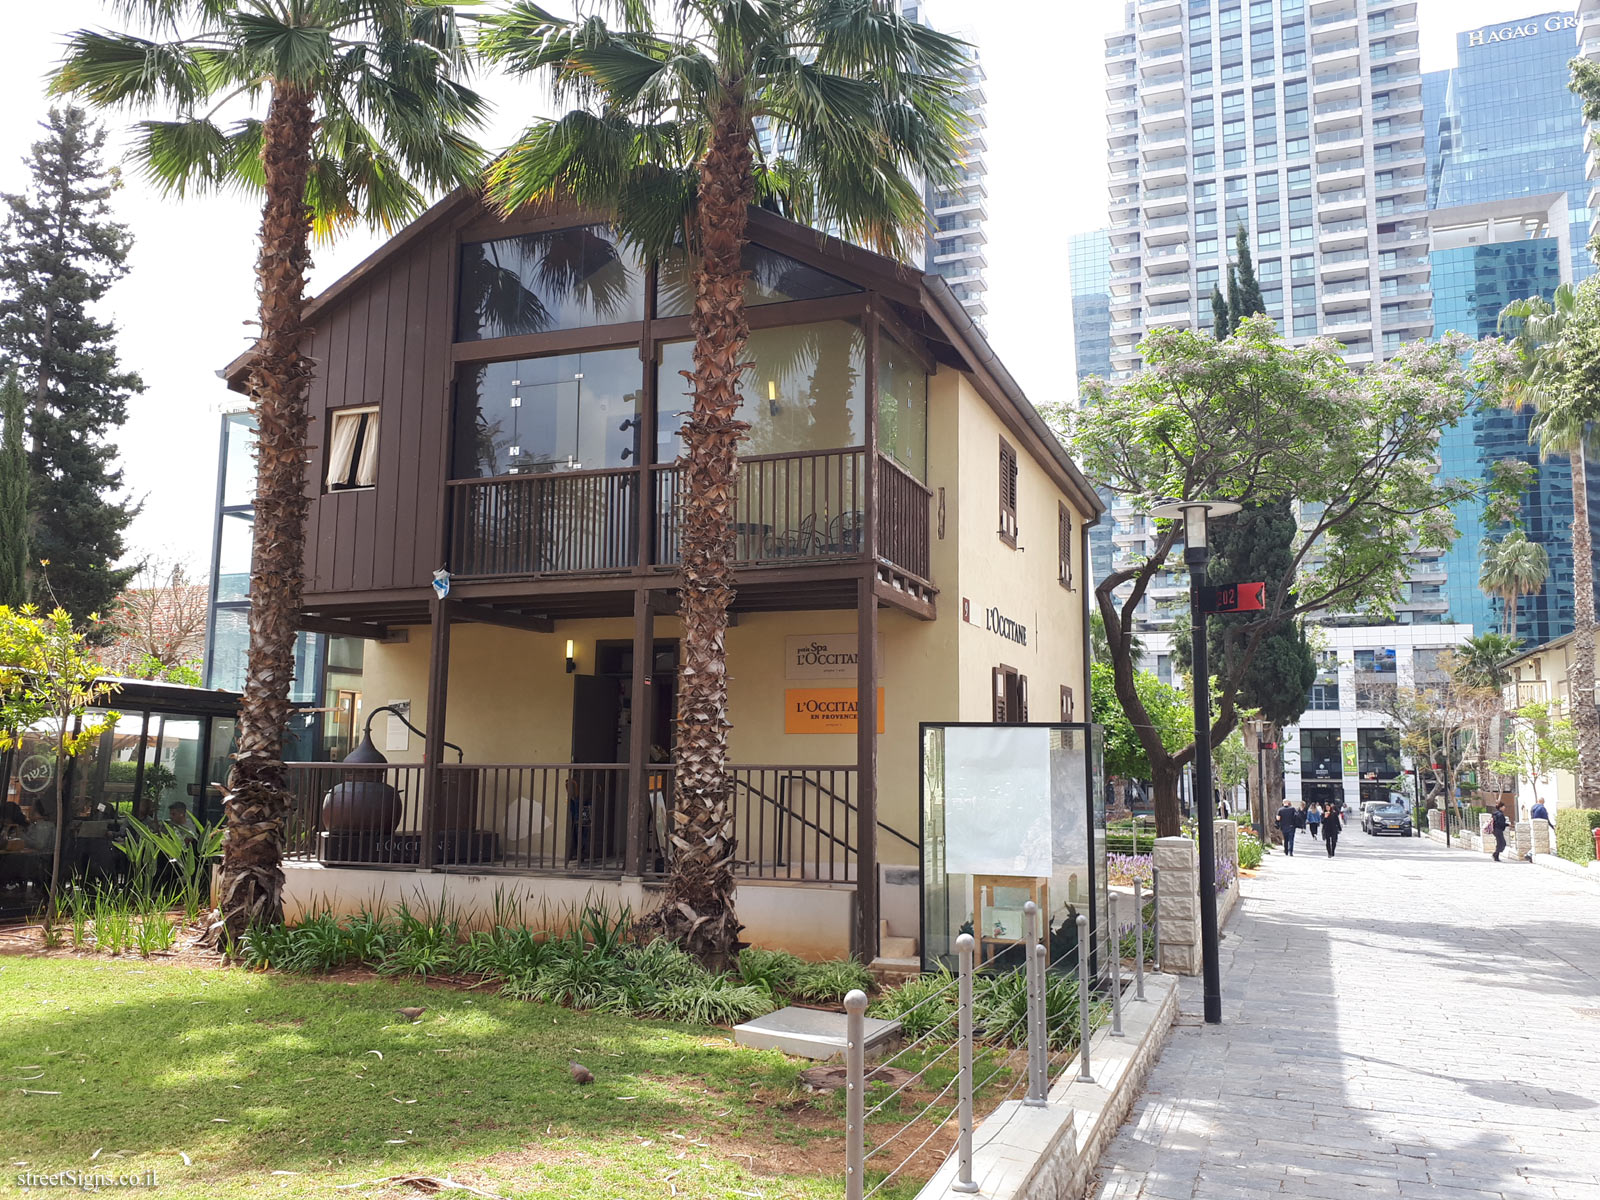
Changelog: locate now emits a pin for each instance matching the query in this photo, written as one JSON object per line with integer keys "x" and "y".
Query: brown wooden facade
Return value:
{"x": 842, "y": 527}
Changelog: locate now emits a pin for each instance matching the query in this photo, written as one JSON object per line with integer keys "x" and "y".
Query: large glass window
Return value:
{"x": 1319, "y": 754}
{"x": 803, "y": 390}
{"x": 563, "y": 412}
{"x": 239, "y": 464}
{"x": 902, "y": 407}
{"x": 772, "y": 278}
{"x": 538, "y": 282}
{"x": 233, "y": 557}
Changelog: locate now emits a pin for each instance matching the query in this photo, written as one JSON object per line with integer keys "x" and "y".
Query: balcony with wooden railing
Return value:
{"x": 805, "y": 508}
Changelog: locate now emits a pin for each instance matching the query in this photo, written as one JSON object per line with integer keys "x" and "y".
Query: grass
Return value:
{"x": 301, "y": 1085}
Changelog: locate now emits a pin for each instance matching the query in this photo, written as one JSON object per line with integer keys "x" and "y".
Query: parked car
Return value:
{"x": 1387, "y": 818}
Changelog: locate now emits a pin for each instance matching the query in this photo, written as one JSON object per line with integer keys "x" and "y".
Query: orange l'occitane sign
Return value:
{"x": 823, "y": 710}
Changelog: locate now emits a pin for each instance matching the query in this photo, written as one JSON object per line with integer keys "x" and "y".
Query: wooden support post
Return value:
{"x": 867, "y": 764}
{"x": 440, "y": 614}
{"x": 643, "y": 707}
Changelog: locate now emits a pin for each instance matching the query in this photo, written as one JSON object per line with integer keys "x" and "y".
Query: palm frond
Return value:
{"x": 112, "y": 70}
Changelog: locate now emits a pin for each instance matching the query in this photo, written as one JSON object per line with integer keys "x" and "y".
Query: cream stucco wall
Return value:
{"x": 1543, "y": 676}
{"x": 1021, "y": 582}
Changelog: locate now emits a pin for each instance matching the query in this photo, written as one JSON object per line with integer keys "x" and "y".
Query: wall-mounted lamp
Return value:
{"x": 572, "y": 662}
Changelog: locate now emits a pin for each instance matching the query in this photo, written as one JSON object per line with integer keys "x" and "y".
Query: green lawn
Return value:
{"x": 284, "y": 1086}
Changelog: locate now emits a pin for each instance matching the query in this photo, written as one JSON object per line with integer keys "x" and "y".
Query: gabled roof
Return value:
{"x": 945, "y": 320}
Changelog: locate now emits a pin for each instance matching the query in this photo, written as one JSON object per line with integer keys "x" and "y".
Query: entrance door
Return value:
{"x": 594, "y": 797}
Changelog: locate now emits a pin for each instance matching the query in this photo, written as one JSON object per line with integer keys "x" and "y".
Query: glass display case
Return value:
{"x": 1011, "y": 813}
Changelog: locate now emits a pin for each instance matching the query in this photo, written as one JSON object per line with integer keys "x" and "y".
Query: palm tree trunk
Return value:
{"x": 697, "y": 909}
{"x": 257, "y": 801}
{"x": 1580, "y": 685}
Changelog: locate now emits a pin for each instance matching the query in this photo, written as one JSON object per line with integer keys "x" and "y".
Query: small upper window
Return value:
{"x": 1008, "y": 493}
{"x": 352, "y": 449}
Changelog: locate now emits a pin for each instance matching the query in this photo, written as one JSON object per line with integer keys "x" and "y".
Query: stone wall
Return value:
{"x": 1177, "y": 906}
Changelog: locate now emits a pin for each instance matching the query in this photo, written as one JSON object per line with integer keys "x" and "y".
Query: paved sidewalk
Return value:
{"x": 1403, "y": 1020}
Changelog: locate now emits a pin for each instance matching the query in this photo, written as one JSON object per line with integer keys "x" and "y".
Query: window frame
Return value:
{"x": 367, "y": 432}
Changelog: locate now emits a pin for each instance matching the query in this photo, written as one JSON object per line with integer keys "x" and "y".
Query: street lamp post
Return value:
{"x": 1196, "y": 552}
{"x": 1260, "y": 728}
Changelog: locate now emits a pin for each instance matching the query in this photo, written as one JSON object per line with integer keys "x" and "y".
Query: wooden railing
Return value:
{"x": 903, "y": 520}
{"x": 797, "y": 823}
{"x": 807, "y": 506}
{"x": 565, "y": 521}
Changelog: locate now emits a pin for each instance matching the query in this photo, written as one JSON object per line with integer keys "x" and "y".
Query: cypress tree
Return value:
{"x": 60, "y": 252}
{"x": 1220, "y": 325}
{"x": 13, "y": 495}
{"x": 1246, "y": 287}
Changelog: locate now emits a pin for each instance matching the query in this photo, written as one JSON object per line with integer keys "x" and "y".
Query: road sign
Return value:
{"x": 1234, "y": 597}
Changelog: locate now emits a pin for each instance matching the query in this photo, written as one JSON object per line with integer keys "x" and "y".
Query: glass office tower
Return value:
{"x": 1509, "y": 126}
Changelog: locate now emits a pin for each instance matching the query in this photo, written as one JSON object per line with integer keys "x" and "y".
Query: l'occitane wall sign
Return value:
{"x": 823, "y": 710}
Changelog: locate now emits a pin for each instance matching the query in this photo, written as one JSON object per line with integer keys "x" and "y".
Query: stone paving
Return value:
{"x": 1403, "y": 1020}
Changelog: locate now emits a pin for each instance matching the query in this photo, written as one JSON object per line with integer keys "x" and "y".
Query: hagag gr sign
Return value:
{"x": 1491, "y": 35}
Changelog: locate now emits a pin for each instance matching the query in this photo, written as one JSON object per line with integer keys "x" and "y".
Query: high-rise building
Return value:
{"x": 1509, "y": 126}
{"x": 1587, "y": 20}
{"x": 956, "y": 237}
{"x": 1484, "y": 256}
{"x": 1300, "y": 122}
{"x": 954, "y": 240}
{"x": 1088, "y": 264}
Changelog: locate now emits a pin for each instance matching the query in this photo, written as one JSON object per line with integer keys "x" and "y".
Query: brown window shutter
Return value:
{"x": 1022, "y": 699}
{"x": 1064, "y": 543}
{"x": 1066, "y": 704}
{"x": 1008, "y": 491}
{"x": 999, "y": 696}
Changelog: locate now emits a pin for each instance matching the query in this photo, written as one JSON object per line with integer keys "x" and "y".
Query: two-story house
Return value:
{"x": 495, "y": 497}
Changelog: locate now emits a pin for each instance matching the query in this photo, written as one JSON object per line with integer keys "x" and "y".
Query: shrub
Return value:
{"x": 920, "y": 1004}
{"x": 830, "y": 982}
{"x": 426, "y": 943}
{"x": 1123, "y": 869}
{"x": 1250, "y": 851}
{"x": 370, "y": 936}
{"x": 266, "y": 946}
{"x": 711, "y": 1000}
{"x": 774, "y": 970}
{"x": 1575, "y": 833}
{"x": 504, "y": 953}
{"x": 317, "y": 944}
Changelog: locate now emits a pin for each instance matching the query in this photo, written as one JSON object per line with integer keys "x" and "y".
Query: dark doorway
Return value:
{"x": 603, "y": 711}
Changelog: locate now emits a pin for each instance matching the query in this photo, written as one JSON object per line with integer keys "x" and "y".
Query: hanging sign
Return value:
{"x": 1349, "y": 749}
{"x": 1233, "y": 597}
{"x": 823, "y": 710}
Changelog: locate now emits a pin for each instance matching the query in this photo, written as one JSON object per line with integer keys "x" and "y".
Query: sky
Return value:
{"x": 185, "y": 308}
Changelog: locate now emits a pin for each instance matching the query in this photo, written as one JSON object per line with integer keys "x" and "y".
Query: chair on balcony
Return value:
{"x": 844, "y": 533}
{"x": 802, "y": 541}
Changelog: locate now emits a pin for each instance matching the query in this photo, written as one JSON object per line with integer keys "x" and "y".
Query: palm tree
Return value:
{"x": 1563, "y": 424}
{"x": 1480, "y": 661}
{"x": 1512, "y": 567}
{"x": 365, "y": 110}
{"x": 665, "y": 139}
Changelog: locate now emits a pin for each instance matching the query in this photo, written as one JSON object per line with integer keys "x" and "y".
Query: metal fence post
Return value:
{"x": 1155, "y": 910}
{"x": 1083, "y": 998}
{"x": 1042, "y": 954}
{"x": 1035, "y": 990}
{"x": 1138, "y": 925}
{"x": 855, "y": 1149}
{"x": 964, "y": 1181}
{"x": 1116, "y": 965}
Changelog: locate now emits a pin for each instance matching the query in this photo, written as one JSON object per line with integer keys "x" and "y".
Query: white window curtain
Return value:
{"x": 345, "y": 429}
{"x": 367, "y": 468}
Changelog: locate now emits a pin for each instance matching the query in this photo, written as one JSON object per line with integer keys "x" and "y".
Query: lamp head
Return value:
{"x": 1195, "y": 515}
{"x": 572, "y": 660}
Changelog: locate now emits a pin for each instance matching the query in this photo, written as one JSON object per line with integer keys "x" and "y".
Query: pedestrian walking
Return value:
{"x": 1500, "y": 821}
{"x": 1541, "y": 813}
{"x": 1332, "y": 823}
{"x": 1314, "y": 821}
{"x": 1287, "y": 820}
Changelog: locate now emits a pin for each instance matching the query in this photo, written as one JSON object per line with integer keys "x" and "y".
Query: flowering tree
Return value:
{"x": 1255, "y": 420}
{"x": 48, "y": 676}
